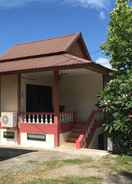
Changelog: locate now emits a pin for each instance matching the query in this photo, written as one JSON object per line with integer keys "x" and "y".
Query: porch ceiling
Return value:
{"x": 59, "y": 61}
{"x": 48, "y": 74}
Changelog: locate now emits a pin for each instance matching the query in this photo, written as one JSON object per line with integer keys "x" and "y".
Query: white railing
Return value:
{"x": 66, "y": 117}
{"x": 38, "y": 118}
{"x": 46, "y": 118}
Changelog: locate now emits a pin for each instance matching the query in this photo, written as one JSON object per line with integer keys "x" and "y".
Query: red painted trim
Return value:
{"x": 57, "y": 131}
{"x": 80, "y": 141}
{"x": 56, "y": 105}
{"x": 37, "y": 128}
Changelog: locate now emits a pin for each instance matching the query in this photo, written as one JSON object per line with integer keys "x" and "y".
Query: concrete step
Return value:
{"x": 75, "y": 134}
{"x": 78, "y": 131}
{"x": 67, "y": 145}
{"x": 71, "y": 139}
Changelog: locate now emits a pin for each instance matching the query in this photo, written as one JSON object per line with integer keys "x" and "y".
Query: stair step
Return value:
{"x": 81, "y": 127}
{"x": 67, "y": 145}
{"x": 76, "y": 131}
{"x": 74, "y": 136}
{"x": 71, "y": 139}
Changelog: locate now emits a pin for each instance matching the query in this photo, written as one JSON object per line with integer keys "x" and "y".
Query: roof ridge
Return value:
{"x": 53, "y": 38}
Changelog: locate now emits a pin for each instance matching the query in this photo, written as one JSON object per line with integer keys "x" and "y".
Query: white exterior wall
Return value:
{"x": 49, "y": 143}
{"x": 9, "y": 91}
{"x": 79, "y": 92}
{"x": 7, "y": 140}
{"x": 9, "y": 103}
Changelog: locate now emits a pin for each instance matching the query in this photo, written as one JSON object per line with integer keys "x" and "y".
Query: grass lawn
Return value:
{"x": 110, "y": 169}
{"x": 69, "y": 180}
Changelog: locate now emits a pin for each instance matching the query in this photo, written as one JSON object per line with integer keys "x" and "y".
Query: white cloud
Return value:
{"x": 99, "y": 4}
{"x": 102, "y": 15}
{"x": 104, "y": 61}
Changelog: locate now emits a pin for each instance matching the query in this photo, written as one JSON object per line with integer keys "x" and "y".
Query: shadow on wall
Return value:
{"x": 7, "y": 153}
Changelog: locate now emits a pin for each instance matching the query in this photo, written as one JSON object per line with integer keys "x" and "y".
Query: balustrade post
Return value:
{"x": 37, "y": 118}
{"x": 50, "y": 119}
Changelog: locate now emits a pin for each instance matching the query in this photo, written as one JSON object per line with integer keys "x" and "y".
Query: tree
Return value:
{"x": 116, "y": 98}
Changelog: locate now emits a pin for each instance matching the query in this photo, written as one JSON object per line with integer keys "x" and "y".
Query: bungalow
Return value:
{"x": 48, "y": 94}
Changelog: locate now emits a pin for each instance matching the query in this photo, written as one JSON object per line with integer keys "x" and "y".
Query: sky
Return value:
{"x": 28, "y": 20}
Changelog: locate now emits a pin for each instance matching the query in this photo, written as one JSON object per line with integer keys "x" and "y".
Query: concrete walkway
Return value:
{"x": 19, "y": 150}
{"x": 92, "y": 153}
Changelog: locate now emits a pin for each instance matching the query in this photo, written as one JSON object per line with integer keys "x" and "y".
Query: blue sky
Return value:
{"x": 27, "y": 20}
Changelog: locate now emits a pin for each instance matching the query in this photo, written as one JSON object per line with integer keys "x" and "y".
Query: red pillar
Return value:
{"x": 56, "y": 105}
{"x": 18, "y": 106}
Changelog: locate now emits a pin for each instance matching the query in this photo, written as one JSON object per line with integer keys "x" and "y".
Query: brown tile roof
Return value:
{"x": 60, "y": 61}
{"x": 46, "y": 55}
{"x": 43, "y": 47}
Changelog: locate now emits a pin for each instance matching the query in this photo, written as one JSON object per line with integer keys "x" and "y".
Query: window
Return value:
{"x": 36, "y": 137}
{"x": 9, "y": 135}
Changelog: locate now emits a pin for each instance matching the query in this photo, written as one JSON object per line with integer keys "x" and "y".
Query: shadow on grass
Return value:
{"x": 7, "y": 153}
{"x": 122, "y": 177}
{"x": 127, "y": 175}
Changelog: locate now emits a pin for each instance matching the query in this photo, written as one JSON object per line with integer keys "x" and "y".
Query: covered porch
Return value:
{"x": 50, "y": 103}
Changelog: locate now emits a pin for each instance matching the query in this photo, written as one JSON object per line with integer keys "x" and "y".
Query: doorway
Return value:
{"x": 101, "y": 142}
{"x": 38, "y": 98}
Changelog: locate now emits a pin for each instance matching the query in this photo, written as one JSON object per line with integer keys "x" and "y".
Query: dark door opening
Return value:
{"x": 38, "y": 98}
{"x": 101, "y": 142}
